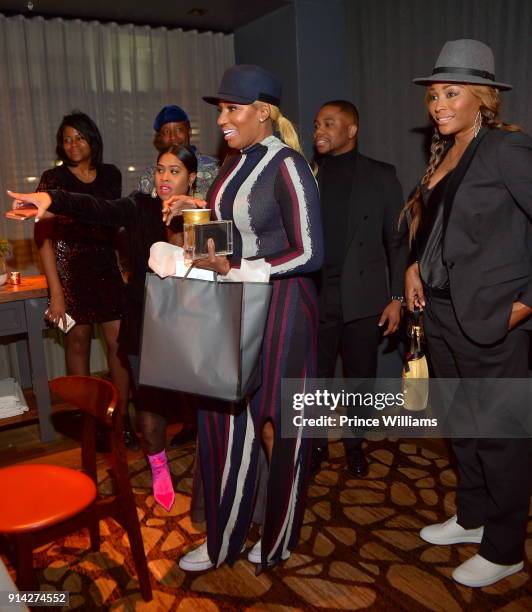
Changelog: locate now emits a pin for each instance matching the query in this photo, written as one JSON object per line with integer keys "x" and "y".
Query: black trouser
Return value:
{"x": 357, "y": 342}
{"x": 494, "y": 474}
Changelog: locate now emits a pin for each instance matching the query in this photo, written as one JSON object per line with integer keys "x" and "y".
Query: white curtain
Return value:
{"x": 120, "y": 75}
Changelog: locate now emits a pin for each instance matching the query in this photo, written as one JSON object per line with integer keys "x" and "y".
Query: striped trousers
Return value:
{"x": 230, "y": 438}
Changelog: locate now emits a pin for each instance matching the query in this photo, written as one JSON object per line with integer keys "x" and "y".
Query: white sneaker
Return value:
{"x": 450, "y": 532}
{"x": 254, "y": 555}
{"x": 479, "y": 572}
{"x": 196, "y": 560}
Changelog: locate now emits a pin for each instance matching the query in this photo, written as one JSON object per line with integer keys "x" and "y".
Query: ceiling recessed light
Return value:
{"x": 197, "y": 12}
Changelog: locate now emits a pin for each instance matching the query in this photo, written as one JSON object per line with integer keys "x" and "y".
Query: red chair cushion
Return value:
{"x": 36, "y": 496}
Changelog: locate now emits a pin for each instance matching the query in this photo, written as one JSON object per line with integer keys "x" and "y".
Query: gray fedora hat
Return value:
{"x": 464, "y": 61}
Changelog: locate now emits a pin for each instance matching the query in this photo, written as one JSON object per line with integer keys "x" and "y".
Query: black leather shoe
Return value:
{"x": 319, "y": 454}
{"x": 357, "y": 464}
{"x": 187, "y": 434}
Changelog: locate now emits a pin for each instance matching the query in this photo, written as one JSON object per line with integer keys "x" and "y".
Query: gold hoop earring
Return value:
{"x": 478, "y": 124}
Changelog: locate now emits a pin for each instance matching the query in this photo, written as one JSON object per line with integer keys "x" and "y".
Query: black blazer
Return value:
{"x": 488, "y": 233}
{"x": 373, "y": 242}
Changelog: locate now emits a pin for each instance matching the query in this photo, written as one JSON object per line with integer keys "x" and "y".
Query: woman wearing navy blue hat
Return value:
{"x": 267, "y": 189}
{"x": 471, "y": 218}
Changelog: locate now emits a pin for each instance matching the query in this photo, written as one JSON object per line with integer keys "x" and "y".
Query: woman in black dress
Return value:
{"x": 79, "y": 260}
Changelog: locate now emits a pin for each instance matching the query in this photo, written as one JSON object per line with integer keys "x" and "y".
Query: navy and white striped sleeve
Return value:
{"x": 297, "y": 194}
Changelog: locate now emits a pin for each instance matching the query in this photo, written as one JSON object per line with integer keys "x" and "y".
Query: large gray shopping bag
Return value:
{"x": 203, "y": 337}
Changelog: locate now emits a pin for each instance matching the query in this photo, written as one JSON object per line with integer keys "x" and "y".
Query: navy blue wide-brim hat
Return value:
{"x": 169, "y": 114}
{"x": 245, "y": 83}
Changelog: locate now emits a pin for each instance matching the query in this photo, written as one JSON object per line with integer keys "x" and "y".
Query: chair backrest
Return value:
{"x": 97, "y": 398}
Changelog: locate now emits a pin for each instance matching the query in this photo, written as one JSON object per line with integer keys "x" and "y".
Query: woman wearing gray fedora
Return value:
{"x": 471, "y": 222}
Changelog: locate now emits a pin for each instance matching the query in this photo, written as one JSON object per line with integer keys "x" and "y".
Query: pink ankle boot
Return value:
{"x": 163, "y": 489}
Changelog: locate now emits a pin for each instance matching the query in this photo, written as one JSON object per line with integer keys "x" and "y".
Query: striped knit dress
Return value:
{"x": 270, "y": 194}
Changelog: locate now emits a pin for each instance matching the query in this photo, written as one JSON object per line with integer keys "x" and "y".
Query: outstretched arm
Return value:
{"x": 85, "y": 208}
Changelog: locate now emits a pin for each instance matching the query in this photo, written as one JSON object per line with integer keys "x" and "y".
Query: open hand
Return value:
{"x": 56, "y": 310}
{"x": 217, "y": 263}
{"x": 41, "y": 200}
{"x": 391, "y": 315}
{"x": 173, "y": 207}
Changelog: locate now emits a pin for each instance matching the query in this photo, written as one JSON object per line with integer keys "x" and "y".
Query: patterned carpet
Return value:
{"x": 359, "y": 550}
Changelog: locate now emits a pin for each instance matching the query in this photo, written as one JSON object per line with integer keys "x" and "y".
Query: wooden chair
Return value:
{"x": 41, "y": 503}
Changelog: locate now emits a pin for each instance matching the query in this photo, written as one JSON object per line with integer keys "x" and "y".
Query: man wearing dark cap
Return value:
{"x": 172, "y": 126}
{"x": 361, "y": 283}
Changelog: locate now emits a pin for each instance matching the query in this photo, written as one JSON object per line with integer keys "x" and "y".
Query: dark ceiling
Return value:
{"x": 217, "y": 15}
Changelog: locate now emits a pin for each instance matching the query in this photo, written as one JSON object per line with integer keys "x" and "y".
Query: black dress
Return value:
{"x": 85, "y": 254}
{"x": 141, "y": 215}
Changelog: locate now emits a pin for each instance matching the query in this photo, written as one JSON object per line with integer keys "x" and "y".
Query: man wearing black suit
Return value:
{"x": 358, "y": 298}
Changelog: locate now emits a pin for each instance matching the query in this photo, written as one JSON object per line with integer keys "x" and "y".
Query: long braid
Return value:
{"x": 414, "y": 207}
{"x": 437, "y": 147}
